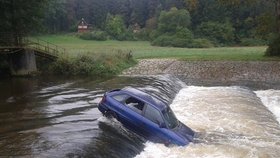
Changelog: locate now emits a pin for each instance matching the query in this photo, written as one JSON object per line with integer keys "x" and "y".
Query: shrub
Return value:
{"x": 99, "y": 36}
{"x": 171, "y": 41}
{"x": 143, "y": 35}
{"x": 163, "y": 40}
{"x": 184, "y": 33}
{"x": 274, "y": 47}
{"x": 252, "y": 42}
{"x": 85, "y": 36}
{"x": 173, "y": 19}
{"x": 94, "y": 64}
{"x": 219, "y": 33}
{"x": 95, "y": 35}
{"x": 115, "y": 27}
{"x": 201, "y": 43}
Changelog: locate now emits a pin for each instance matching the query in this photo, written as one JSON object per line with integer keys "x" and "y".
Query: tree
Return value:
{"x": 216, "y": 32}
{"x": 55, "y": 20}
{"x": 20, "y": 17}
{"x": 174, "y": 19}
{"x": 115, "y": 27}
{"x": 273, "y": 49}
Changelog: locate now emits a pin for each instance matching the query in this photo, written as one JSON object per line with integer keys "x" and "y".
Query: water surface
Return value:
{"x": 58, "y": 117}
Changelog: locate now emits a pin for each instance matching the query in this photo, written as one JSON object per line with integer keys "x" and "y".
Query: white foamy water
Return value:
{"x": 271, "y": 99}
{"x": 231, "y": 122}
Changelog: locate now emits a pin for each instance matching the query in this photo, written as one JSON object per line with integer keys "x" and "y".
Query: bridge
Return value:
{"x": 21, "y": 52}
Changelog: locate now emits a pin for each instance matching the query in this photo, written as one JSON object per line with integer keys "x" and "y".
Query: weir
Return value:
{"x": 58, "y": 117}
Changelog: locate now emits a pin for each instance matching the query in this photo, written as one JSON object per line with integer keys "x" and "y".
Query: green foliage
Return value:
{"x": 115, "y": 27}
{"x": 20, "y": 17}
{"x": 142, "y": 35}
{"x": 266, "y": 23}
{"x": 95, "y": 35}
{"x": 54, "y": 20}
{"x": 252, "y": 42}
{"x": 216, "y": 32}
{"x": 16, "y": 18}
{"x": 173, "y": 29}
{"x": 163, "y": 40}
{"x": 184, "y": 33}
{"x": 92, "y": 64}
{"x": 201, "y": 43}
{"x": 274, "y": 47}
{"x": 174, "y": 41}
{"x": 172, "y": 20}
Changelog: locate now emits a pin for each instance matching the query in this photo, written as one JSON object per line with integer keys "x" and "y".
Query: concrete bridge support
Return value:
{"x": 22, "y": 63}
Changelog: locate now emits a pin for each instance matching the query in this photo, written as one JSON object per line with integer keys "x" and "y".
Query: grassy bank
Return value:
{"x": 89, "y": 64}
{"x": 143, "y": 49}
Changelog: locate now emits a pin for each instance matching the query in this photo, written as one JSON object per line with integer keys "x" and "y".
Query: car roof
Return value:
{"x": 157, "y": 103}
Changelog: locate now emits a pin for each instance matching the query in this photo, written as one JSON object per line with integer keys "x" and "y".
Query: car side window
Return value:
{"x": 120, "y": 97}
{"x": 153, "y": 114}
{"x": 135, "y": 104}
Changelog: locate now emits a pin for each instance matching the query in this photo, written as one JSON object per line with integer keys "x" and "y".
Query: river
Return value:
{"x": 58, "y": 117}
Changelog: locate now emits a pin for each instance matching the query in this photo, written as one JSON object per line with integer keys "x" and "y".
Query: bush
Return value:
{"x": 163, "y": 41}
{"x": 143, "y": 35}
{"x": 95, "y": 35}
{"x": 184, "y": 33}
{"x": 252, "y": 42}
{"x": 173, "y": 41}
{"x": 99, "y": 35}
{"x": 173, "y": 19}
{"x": 201, "y": 43}
{"x": 219, "y": 33}
{"x": 94, "y": 64}
{"x": 274, "y": 47}
{"x": 85, "y": 36}
{"x": 115, "y": 27}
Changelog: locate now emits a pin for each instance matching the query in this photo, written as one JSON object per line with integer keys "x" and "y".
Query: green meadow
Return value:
{"x": 143, "y": 49}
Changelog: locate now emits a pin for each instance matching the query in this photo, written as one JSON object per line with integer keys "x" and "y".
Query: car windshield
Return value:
{"x": 170, "y": 118}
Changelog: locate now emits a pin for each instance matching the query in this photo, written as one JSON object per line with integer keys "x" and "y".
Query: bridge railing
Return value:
{"x": 45, "y": 46}
{"x": 11, "y": 40}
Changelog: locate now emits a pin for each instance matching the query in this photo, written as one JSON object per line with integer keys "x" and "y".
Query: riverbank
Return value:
{"x": 263, "y": 71}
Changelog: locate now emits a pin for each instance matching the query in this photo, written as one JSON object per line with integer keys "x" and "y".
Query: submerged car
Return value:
{"x": 146, "y": 115}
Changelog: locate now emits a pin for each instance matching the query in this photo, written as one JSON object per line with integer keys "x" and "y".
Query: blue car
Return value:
{"x": 145, "y": 115}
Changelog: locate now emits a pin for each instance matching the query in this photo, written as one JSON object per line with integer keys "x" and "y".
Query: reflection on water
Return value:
{"x": 52, "y": 117}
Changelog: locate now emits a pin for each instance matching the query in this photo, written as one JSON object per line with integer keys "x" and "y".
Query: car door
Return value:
{"x": 154, "y": 124}
{"x": 131, "y": 112}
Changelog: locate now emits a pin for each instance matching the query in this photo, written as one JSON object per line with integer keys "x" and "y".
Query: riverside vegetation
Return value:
{"x": 89, "y": 64}
{"x": 213, "y": 24}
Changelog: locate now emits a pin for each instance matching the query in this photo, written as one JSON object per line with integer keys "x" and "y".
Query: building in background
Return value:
{"x": 83, "y": 26}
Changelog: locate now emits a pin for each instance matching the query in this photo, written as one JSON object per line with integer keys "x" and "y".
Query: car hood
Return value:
{"x": 184, "y": 132}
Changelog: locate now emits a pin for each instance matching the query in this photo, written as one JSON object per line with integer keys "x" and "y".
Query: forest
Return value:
{"x": 177, "y": 23}
{"x": 246, "y": 23}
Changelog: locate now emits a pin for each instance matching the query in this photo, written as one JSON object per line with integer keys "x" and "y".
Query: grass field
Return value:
{"x": 143, "y": 49}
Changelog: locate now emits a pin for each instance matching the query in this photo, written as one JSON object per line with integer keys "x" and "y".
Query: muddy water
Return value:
{"x": 58, "y": 117}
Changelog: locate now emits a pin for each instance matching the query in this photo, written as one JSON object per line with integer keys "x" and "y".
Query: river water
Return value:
{"x": 58, "y": 117}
